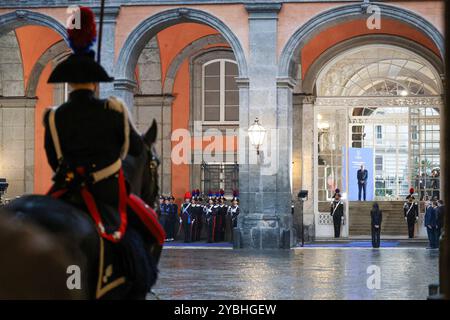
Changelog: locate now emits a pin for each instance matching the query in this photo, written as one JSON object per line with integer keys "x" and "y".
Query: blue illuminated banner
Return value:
{"x": 356, "y": 158}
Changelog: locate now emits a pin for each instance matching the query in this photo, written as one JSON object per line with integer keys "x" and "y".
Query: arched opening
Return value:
{"x": 31, "y": 45}
{"x": 182, "y": 66}
{"x": 377, "y": 105}
{"x": 312, "y": 46}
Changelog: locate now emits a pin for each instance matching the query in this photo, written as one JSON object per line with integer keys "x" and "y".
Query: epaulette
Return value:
{"x": 116, "y": 104}
{"x": 46, "y": 112}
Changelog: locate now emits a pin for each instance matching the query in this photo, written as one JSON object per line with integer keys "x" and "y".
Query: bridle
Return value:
{"x": 153, "y": 163}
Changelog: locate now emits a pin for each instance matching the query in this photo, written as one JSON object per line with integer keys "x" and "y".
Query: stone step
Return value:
{"x": 393, "y": 219}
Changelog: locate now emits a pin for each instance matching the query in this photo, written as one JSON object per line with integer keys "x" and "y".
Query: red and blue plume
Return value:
{"x": 197, "y": 191}
{"x": 217, "y": 194}
{"x": 411, "y": 190}
{"x": 210, "y": 194}
{"x": 82, "y": 39}
{"x": 337, "y": 190}
{"x": 222, "y": 192}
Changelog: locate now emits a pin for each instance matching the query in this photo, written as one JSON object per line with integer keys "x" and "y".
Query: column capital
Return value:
{"x": 288, "y": 82}
{"x": 242, "y": 82}
{"x": 17, "y": 102}
{"x": 263, "y": 10}
{"x": 164, "y": 100}
{"x": 125, "y": 84}
{"x": 110, "y": 14}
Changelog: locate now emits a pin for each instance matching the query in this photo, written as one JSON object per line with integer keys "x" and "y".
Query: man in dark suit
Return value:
{"x": 440, "y": 211}
{"x": 362, "y": 176}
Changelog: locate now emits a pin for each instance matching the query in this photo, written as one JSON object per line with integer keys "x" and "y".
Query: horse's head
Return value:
{"x": 142, "y": 171}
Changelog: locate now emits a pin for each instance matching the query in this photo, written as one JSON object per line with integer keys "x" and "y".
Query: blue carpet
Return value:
{"x": 354, "y": 244}
{"x": 199, "y": 244}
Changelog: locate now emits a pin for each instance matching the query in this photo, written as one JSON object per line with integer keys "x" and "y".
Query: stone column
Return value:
{"x": 108, "y": 44}
{"x": 17, "y": 144}
{"x": 307, "y": 159}
{"x": 265, "y": 186}
{"x": 147, "y": 108}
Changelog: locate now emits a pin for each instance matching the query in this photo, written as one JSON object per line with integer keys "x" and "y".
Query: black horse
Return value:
{"x": 76, "y": 231}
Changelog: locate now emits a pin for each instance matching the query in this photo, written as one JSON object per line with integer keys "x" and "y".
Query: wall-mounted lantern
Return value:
{"x": 256, "y": 133}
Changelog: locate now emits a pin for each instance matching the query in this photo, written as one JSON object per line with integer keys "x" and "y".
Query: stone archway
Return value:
{"x": 185, "y": 53}
{"x": 298, "y": 96}
{"x": 290, "y": 52}
{"x": 147, "y": 29}
{"x": 18, "y": 18}
{"x": 128, "y": 56}
{"x": 55, "y": 51}
{"x": 310, "y": 77}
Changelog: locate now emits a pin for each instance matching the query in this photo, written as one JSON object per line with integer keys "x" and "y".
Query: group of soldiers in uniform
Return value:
{"x": 433, "y": 219}
{"x": 199, "y": 215}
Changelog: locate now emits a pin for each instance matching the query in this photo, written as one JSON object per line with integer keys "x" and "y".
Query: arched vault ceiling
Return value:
{"x": 361, "y": 71}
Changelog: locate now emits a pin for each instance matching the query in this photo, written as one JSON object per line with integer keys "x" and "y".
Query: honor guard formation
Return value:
{"x": 199, "y": 218}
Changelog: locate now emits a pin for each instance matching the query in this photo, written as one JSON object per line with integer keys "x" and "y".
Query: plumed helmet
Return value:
{"x": 222, "y": 195}
{"x": 411, "y": 190}
{"x": 187, "y": 195}
{"x": 337, "y": 192}
{"x": 235, "y": 195}
{"x": 80, "y": 66}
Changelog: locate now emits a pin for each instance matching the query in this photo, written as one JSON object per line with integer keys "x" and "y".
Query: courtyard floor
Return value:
{"x": 302, "y": 273}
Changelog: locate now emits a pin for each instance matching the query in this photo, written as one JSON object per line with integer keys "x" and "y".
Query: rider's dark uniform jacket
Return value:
{"x": 91, "y": 135}
{"x": 89, "y": 132}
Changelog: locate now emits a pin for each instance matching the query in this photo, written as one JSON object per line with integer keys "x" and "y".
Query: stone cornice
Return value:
{"x": 413, "y": 101}
{"x": 153, "y": 100}
{"x": 94, "y": 3}
{"x": 262, "y": 11}
{"x": 17, "y": 102}
{"x": 242, "y": 82}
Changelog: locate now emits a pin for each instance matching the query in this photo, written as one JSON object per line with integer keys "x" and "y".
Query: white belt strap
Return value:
{"x": 118, "y": 105}
{"x": 54, "y": 133}
{"x": 336, "y": 207}
{"x": 107, "y": 172}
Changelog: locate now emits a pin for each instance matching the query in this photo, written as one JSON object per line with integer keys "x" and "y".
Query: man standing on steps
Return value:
{"x": 362, "y": 177}
{"x": 337, "y": 212}
{"x": 411, "y": 213}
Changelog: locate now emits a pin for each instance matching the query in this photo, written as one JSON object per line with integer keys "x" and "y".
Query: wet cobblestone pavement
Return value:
{"x": 310, "y": 273}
